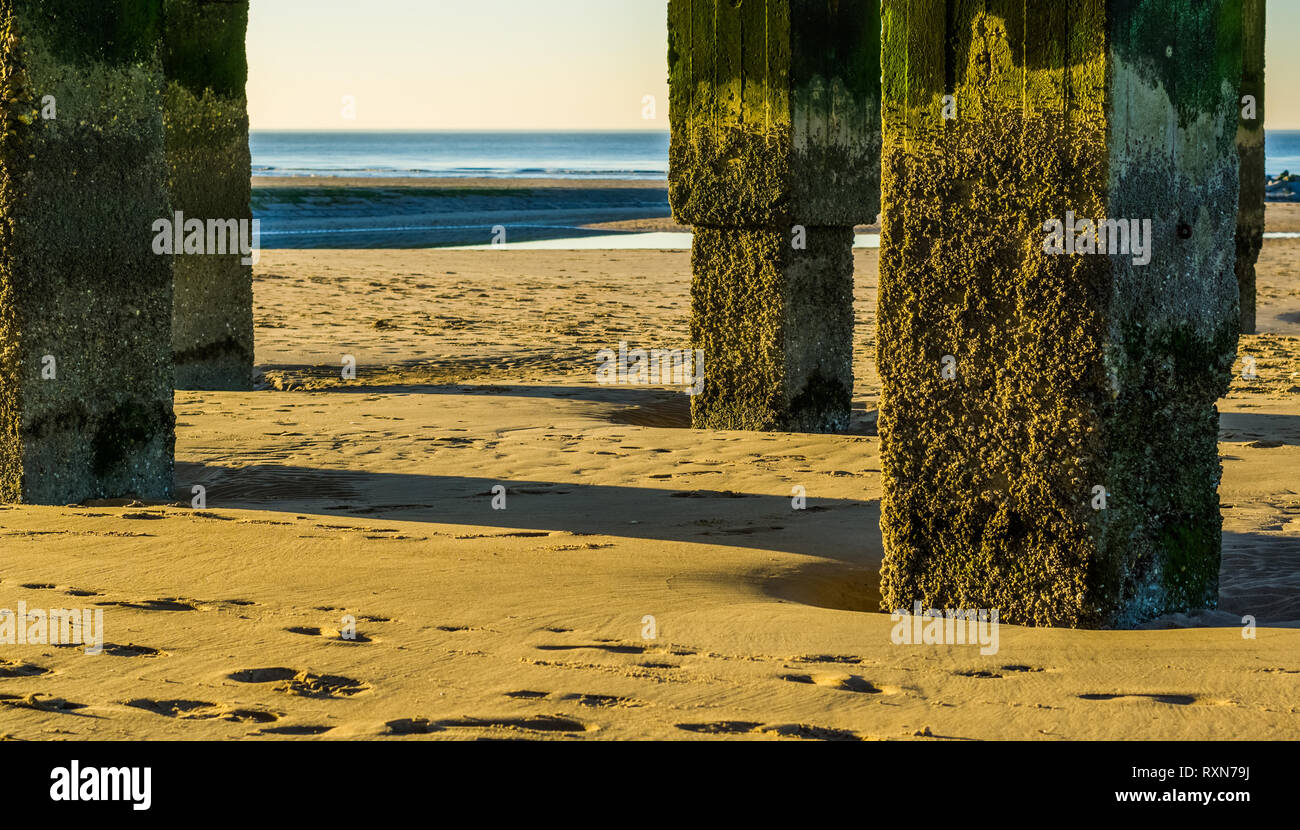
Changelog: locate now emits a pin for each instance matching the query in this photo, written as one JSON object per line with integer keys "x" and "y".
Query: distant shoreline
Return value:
{"x": 416, "y": 212}
{"x": 451, "y": 183}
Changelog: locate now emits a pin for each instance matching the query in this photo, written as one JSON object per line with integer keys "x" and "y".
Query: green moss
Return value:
{"x": 1250, "y": 150}
{"x": 774, "y": 112}
{"x": 1189, "y": 47}
{"x": 775, "y": 124}
{"x": 1190, "y": 566}
{"x": 776, "y": 328}
{"x": 836, "y": 41}
{"x": 77, "y": 31}
{"x": 1073, "y": 372}
{"x": 204, "y": 45}
{"x": 73, "y": 285}
{"x": 209, "y": 169}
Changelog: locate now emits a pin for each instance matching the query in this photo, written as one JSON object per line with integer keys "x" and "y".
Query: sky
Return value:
{"x": 517, "y": 64}
{"x": 458, "y": 64}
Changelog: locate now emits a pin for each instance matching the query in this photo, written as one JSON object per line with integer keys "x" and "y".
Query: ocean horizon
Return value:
{"x": 640, "y": 155}
{"x": 628, "y": 155}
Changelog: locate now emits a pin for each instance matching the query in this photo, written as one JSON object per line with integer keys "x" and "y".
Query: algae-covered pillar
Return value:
{"x": 774, "y": 159}
{"x": 1058, "y": 308}
{"x": 1250, "y": 146}
{"x": 206, "y": 65}
{"x": 85, "y": 304}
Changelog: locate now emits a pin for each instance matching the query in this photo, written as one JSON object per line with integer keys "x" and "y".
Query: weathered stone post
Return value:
{"x": 85, "y": 304}
{"x": 1250, "y": 146}
{"x": 1048, "y": 423}
{"x": 774, "y": 159}
{"x": 206, "y": 65}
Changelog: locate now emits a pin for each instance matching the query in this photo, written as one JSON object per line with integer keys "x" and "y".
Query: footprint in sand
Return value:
{"x": 843, "y": 682}
{"x": 294, "y": 730}
{"x": 20, "y": 668}
{"x": 263, "y": 675}
{"x": 321, "y": 686}
{"x": 786, "y": 730}
{"x": 602, "y": 701}
{"x": 612, "y": 649}
{"x": 41, "y": 703}
{"x": 330, "y": 634}
{"x": 1173, "y": 700}
{"x": 534, "y": 723}
{"x": 202, "y": 710}
{"x": 302, "y": 683}
{"x": 828, "y": 658}
{"x": 164, "y": 604}
{"x": 132, "y": 650}
{"x": 721, "y": 727}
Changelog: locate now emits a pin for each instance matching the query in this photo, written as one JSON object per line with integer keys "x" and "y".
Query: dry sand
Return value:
{"x": 374, "y": 499}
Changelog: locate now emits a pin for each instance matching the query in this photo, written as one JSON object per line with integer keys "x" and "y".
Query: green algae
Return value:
{"x": 77, "y": 32}
{"x": 206, "y": 116}
{"x": 776, "y": 328}
{"x": 1074, "y": 373}
{"x": 775, "y": 133}
{"x": 1250, "y": 148}
{"x": 203, "y": 48}
{"x": 78, "y": 279}
{"x": 774, "y": 112}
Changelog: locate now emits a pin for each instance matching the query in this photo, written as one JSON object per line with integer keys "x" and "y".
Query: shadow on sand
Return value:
{"x": 841, "y": 529}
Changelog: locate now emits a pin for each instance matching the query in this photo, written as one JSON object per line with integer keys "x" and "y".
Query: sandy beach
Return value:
{"x": 643, "y": 581}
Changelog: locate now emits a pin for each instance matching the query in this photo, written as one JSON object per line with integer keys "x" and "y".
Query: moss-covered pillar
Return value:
{"x": 774, "y": 159}
{"x": 1250, "y": 146}
{"x": 206, "y": 65}
{"x": 85, "y": 304}
{"x": 1048, "y": 423}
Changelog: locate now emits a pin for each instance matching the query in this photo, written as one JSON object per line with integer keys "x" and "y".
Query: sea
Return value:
{"x": 1281, "y": 151}
{"x": 640, "y": 155}
{"x": 541, "y": 219}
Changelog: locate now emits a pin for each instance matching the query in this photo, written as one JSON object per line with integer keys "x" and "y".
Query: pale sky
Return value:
{"x": 458, "y": 64}
{"x": 517, "y": 64}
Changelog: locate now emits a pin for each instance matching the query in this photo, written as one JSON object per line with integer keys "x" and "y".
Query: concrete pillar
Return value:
{"x": 774, "y": 159}
{"x": 1250, "y": 146}
{"x": 1048, "y": 423}
{"x": 85, "y": 304}
{"x": 205, "y": 62}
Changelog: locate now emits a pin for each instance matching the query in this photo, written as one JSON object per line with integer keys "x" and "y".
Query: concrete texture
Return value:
{"x": 1072, "y": 372}
{"x": 774, "y": 324}
{"x": 1250, "y": 147}
{"x": 775, "y": 126}
{"x": 209, "y": 168}
{"x": 79, "y": 283}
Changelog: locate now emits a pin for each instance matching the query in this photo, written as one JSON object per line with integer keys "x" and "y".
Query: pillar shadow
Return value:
{"x": 1260, "y": 577}
{"x": 1268, "y": 429}
{"x": 642, "y": 406}
{"x": 843, "y": 529}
